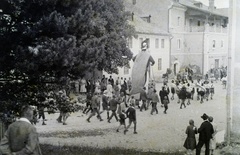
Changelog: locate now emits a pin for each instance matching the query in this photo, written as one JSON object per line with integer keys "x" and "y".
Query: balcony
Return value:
{"x": 206, "y": 28}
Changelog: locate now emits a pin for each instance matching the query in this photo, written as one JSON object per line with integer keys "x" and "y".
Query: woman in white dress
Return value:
{"x": 83, "y": 83}
{"x": 97, "y": 87}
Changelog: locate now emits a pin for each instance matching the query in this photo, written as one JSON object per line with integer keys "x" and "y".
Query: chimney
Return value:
{"x": 132, "y": 16}
{"x": 149, "y": 19}
{"x": 211, "y": 5}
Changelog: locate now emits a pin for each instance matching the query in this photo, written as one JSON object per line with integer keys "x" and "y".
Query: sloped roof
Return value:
{"x": 142, "y": 26}
{"x": 204, "y": 8}
{"x": 158, "y": 9}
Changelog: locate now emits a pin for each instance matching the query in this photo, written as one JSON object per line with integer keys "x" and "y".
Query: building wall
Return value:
{"x": 216, "y": 49}
{"x": 159, "y": 53}
{"x": 177, "y": 19}
{"x": 192, "y": 41}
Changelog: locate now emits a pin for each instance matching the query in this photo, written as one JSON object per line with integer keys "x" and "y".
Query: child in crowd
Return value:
{"x": 173, "y": 89}
{"x": 131, "y": 114}
{"x": 165, "y": 103}
{"x": 132, "y": 101}
{"x": 122, "y": 118}
{"x": 190, "y": 142}
{"x": 155, "y": 100}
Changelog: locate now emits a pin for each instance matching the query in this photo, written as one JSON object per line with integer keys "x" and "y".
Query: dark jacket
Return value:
{"x": 143, "y": 95}
{"x": 162, "y": 94}
{"x": 205, "y": 131}
{"x": 113, "y": 103}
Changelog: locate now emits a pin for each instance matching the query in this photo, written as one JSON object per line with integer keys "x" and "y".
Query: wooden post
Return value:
{"x": 233, "y": 83}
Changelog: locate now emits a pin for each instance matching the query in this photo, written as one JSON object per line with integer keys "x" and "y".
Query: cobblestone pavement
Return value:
{"x": 159, "y": 132}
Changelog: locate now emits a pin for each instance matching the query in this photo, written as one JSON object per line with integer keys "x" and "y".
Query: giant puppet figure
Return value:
{"x": 141, "y": 69}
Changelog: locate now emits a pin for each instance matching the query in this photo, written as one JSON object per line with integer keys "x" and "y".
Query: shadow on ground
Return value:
{"x": 74, "y": 150}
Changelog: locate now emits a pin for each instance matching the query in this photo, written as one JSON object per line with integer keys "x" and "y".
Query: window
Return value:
{"x": 159, "y": 63}
{"x": 162, "y": 43}
{"x": 179, "y": 44}
{"x": 214, "y": 44}
{"x": 148, "y": 42}
{"x": 130, "y": 44}
{"x": 178, "y": 20}
{"x": 199, "y": 23}
{"x": 221, "y": 43}
{"x": 125, "y": 70}
{"x": 140, "y": 42}
{"x": 157, "y": 43}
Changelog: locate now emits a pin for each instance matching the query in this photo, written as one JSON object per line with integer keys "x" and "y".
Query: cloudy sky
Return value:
{"x": 218, "y": 3}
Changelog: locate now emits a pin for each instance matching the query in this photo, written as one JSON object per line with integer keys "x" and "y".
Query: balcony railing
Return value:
{"x": 206, "y": 28}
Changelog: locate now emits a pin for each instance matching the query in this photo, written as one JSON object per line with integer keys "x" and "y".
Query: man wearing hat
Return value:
{"x": 205, "y": 134}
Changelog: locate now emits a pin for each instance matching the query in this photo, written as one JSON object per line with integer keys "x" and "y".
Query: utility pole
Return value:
{"x": 232, "y": 134}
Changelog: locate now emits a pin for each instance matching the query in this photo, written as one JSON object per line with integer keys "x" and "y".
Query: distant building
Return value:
{"x": 200, "y": 35}
{"x": 181, "y": 33}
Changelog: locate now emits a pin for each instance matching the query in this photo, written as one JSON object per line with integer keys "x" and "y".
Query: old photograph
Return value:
{"x": 119, "y": 77}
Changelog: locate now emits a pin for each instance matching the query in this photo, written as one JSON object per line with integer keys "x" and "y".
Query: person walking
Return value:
{"x": 211, "y": 90}
{"x": 95, "y": 107}
{"x": 202, "y": 92}
{"x": 155, "y": 100}
{"x": 143, "y": 98}
{"x": 173, "y": 89}
{"x": 183, "y": 96}
{"x": 188, "y": 93}
{"x": 207, "y": 87}
{"x": 131, "y": 114}
{"x": 205, "y": 134}
{"x": 149, "y": 96}
{"x": 41, "y": 113}
{"x": 113, "y": 105}
{"x": 198, "y": 84}
{"x": 162, "y": 94}
{"x": 122, "y": 122}
{"x": 88, "y": 107}
{"x": 190, "y": 142}
{"x": 105, "y": 103}
{"x": 21, "y": 136}
{"x": 165, "y": 103}
{"x": 212, "y": 144}
{"x": 132, "y": 101}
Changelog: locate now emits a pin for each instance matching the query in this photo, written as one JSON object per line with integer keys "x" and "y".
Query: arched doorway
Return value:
{"x": 175, "y": 67}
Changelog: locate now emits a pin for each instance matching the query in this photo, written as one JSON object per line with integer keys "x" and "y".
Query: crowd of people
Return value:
{"x": 112, "y": 97}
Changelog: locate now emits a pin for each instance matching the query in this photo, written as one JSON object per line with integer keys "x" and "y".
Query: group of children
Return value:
{"x": 116, "y": 105}
{"x": 185, "y": 90}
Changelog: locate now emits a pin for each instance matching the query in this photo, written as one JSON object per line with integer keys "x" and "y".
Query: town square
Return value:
{"x": 98, "y": 77}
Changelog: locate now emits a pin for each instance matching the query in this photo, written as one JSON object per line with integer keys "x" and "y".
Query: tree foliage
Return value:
{"x": 49, "y": 42}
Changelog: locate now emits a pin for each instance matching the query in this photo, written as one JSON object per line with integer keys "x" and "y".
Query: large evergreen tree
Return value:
{"x": 48, "y": 42}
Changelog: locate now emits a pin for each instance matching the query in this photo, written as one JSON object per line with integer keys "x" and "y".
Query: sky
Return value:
{"x": 218, "y": 3}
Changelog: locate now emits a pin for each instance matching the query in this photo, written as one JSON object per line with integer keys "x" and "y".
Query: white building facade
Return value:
{"x": 199, "y": 36}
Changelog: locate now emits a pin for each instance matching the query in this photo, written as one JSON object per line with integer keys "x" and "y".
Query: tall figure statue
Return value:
{"x": 141, "y": 69}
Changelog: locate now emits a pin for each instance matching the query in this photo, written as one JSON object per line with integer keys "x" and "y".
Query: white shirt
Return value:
{"x": 24, "y": 120}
